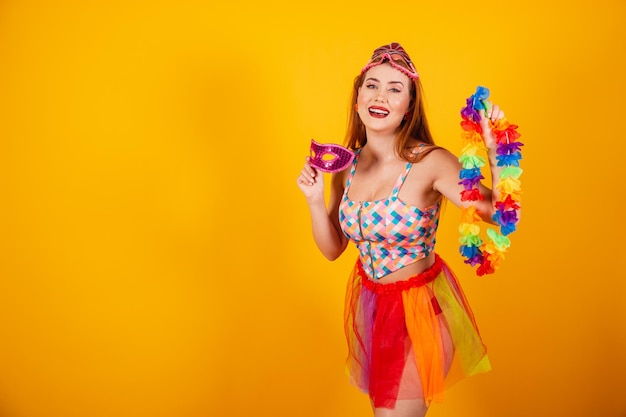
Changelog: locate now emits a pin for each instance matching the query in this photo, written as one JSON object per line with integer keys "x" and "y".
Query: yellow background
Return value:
{"x": 155, "y": 252}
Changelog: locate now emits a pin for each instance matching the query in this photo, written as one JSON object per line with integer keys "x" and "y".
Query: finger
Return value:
{"x": 311, "y": 171}
{"x": 494, "y": 111}
{"x": 307, "y": 177}
{"x": 498, "y": 114}
{"x": 305, "y": 181}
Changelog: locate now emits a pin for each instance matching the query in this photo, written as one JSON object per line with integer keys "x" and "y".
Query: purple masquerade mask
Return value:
{"x": 340, "y": 157}
{"x": 396, "y": 56}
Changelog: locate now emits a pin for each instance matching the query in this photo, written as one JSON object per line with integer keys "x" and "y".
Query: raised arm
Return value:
{"x": 324, "y": 220}
{"x": 447, "y": 169}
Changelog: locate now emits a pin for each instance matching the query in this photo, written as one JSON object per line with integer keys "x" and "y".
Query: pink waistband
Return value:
{"x": 414, "y": 281}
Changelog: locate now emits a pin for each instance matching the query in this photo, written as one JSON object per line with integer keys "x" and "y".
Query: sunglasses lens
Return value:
{"x": 396, "y": 57}
{"x": 392, "y": 57}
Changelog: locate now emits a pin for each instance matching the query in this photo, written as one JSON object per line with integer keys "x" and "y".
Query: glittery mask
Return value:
{"x": 394, "y": 54}
{"x": 340, "y": 157}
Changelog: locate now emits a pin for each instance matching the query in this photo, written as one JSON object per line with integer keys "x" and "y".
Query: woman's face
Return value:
{"x": 383, "y": 99}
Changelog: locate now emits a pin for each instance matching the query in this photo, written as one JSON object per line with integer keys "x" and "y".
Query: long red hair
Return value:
{"x": 414, "y": 127}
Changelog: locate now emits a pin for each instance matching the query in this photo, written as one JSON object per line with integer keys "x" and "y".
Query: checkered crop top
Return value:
{"x": 389, "y": 233}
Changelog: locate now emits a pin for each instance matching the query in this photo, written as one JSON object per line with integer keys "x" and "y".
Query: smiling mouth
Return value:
{"x": 378, "y": 112}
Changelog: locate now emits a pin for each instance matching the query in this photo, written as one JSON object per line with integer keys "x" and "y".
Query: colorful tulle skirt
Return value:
{"x": 410, "y": 339}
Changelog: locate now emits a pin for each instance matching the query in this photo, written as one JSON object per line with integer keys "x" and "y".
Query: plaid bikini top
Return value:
{"x": 389, "y": 233}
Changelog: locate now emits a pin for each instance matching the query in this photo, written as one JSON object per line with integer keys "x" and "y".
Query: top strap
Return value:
{"x": 407, "y": 168}
{"x": 401, "y": 178}
{"x": 357, "y": 152}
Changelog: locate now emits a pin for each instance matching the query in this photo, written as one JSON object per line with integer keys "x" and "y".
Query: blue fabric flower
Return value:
{"x": 509, "y": 160}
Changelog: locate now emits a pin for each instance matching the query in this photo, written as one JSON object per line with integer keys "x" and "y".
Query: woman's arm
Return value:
{"x": 447, "y": 169}
{"x": 324, "y": 221}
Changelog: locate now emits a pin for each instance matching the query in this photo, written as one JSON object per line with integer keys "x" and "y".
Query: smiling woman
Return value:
{"x": 410, "y": 330}
{"x": 150, "y": 259}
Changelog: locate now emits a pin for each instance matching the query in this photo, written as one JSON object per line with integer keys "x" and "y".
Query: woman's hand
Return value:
{"x": 311, "y": 182}
{"x": 488, "y": 117}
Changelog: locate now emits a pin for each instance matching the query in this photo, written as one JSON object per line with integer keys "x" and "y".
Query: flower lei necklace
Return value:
{"x": 488, "y": 255}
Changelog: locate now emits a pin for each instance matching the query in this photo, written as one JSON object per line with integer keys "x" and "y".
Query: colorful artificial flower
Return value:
{"x": 488, "y": 254}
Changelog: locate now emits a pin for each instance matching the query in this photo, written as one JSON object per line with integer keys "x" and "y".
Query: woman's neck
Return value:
{"x": 381, "y": 147}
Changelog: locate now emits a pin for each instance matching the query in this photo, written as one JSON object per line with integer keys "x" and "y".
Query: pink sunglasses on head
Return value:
{"x": 340, "y": 157}
{"x": 395, "y": 55}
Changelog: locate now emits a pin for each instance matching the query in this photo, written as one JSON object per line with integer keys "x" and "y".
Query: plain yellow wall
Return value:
{"x": 155, "y": 254}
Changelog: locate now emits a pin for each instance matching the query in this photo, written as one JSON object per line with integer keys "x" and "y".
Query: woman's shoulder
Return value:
{"x": 422, "y": 152}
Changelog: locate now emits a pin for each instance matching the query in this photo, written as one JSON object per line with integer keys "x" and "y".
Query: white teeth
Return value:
{"x": 379, "y": 111}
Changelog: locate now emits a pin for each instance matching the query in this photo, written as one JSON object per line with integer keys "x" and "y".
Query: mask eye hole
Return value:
{"x": 323, "y": 155}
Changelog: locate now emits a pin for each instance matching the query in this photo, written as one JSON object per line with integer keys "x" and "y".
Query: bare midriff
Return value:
{"x": 408, "y": 271}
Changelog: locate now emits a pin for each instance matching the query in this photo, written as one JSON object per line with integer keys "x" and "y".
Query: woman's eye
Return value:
{"x": 370, "y": 86}
{"x": 394, "y": 90}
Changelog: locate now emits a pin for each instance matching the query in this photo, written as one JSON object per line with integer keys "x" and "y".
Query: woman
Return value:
{"x": 410, "y": 330}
